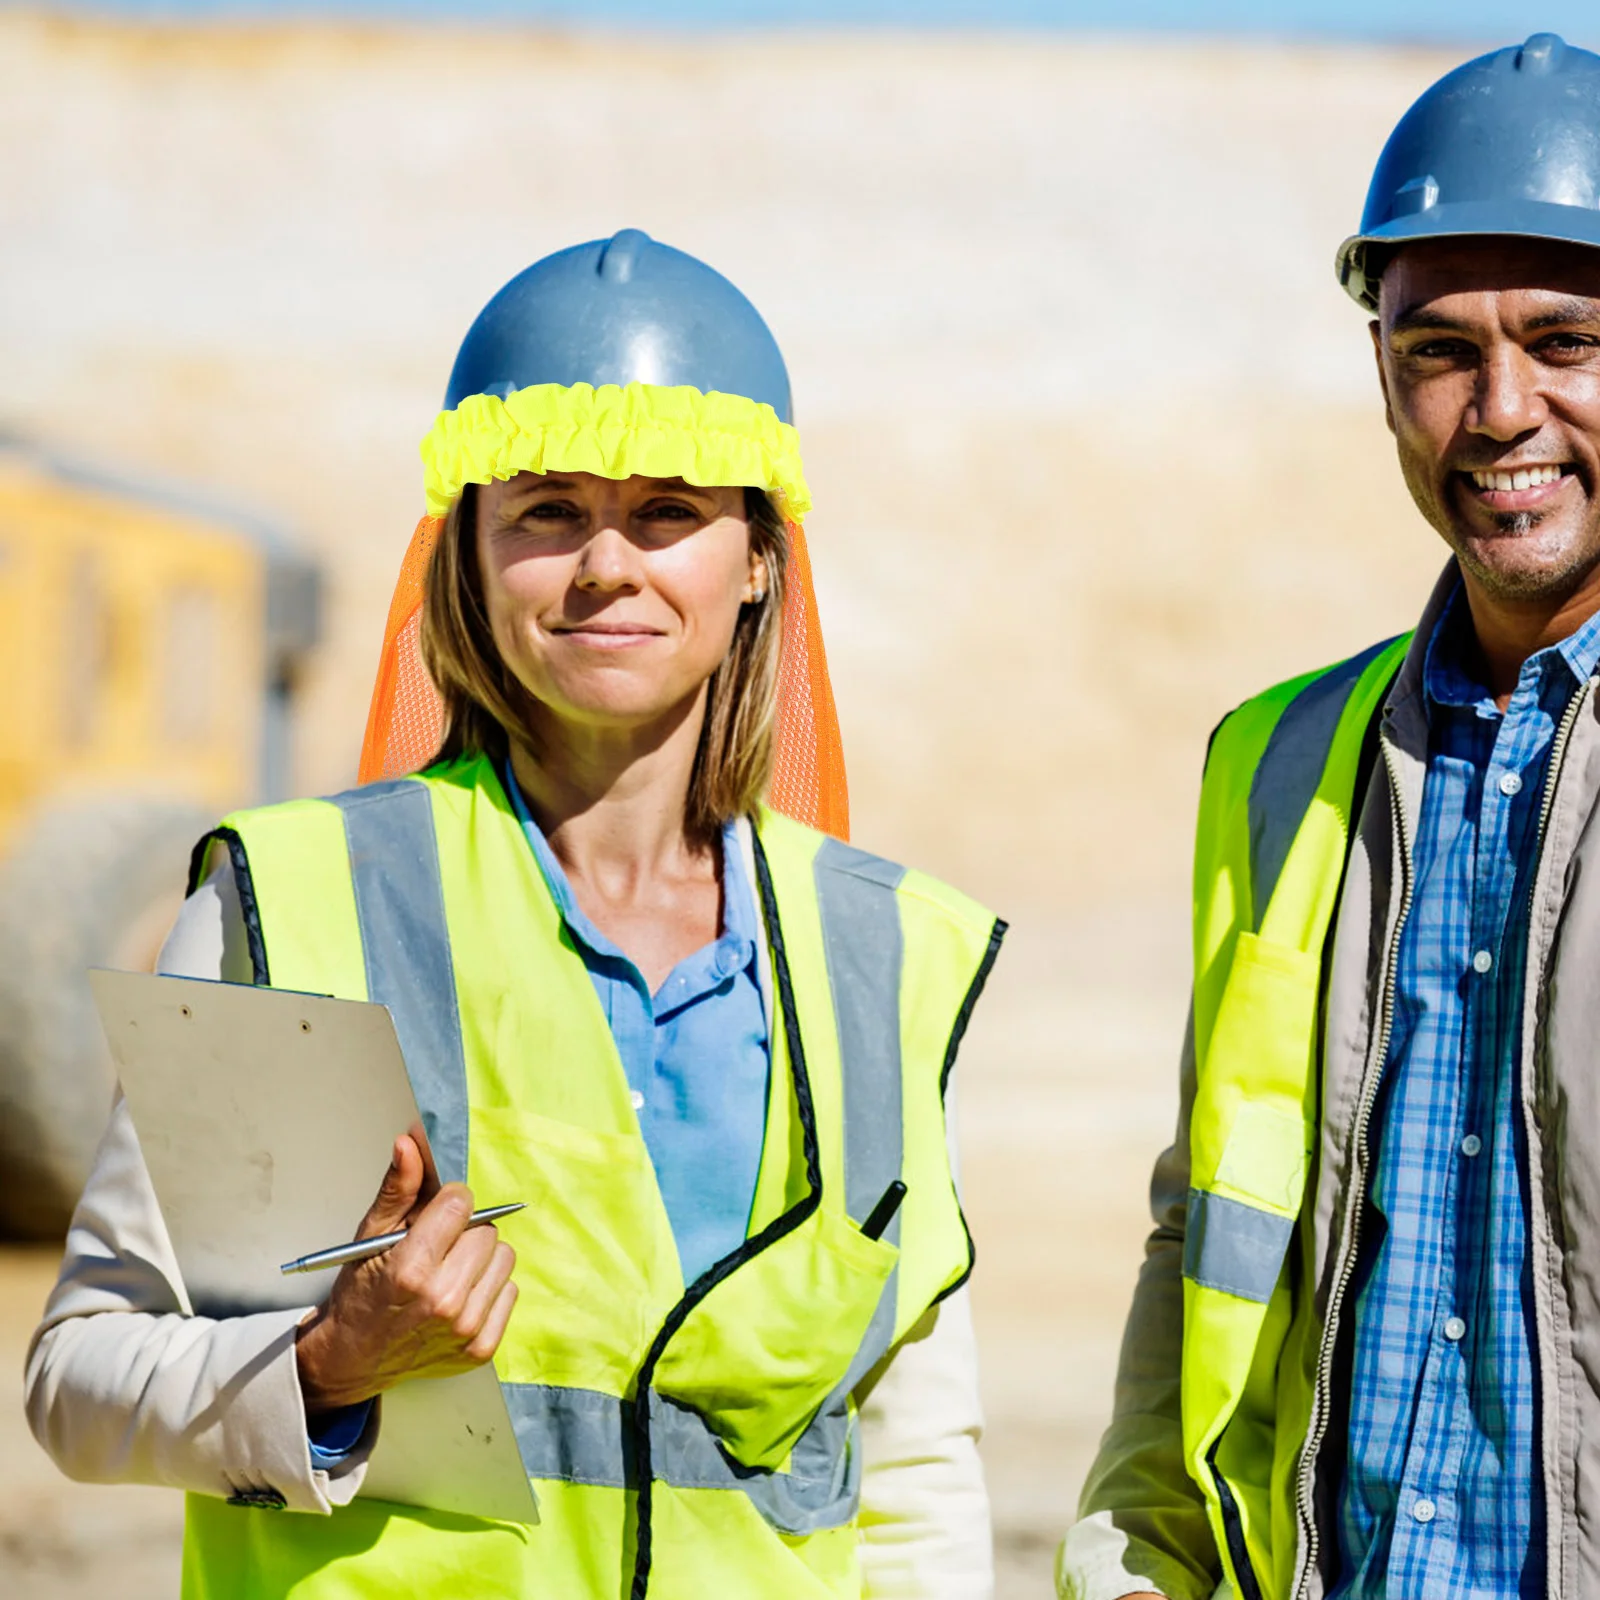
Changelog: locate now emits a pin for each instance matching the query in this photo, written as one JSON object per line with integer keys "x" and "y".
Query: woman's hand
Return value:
{"x": 437, "y": 1303}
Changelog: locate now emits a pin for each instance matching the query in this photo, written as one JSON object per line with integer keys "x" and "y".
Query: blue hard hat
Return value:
{"x": 621, "y": 310}
{"x": 1507, "y": 144}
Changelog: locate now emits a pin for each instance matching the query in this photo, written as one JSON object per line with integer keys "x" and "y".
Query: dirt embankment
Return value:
{"x": 1092, "y": 435}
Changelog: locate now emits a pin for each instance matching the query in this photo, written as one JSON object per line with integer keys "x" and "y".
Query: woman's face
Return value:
{"x": 613, "y": 601}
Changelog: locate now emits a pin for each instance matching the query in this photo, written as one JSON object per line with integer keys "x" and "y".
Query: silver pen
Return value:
{"x": 340, "y": 1255}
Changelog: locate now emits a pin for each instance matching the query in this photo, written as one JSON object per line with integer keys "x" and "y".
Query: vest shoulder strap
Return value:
{"x": 1283, "y": 758}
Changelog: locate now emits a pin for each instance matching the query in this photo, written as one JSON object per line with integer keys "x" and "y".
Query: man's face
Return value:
{"x": 1489, "y": 356}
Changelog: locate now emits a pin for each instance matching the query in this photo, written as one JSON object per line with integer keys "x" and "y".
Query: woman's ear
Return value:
{"x": 755, "y": 589}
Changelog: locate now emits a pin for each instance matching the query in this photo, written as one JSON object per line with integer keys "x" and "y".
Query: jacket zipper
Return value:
{"x": 1558, "y": 751}
{"x": 1319, "y": 1422}
{"x": 1357, "y": 1196}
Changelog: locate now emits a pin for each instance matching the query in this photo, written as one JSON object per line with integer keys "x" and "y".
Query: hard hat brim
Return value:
{"x": 1467, "y": 219}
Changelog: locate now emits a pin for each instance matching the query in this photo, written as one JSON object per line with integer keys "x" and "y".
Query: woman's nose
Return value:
{"x": 609, "y": 560}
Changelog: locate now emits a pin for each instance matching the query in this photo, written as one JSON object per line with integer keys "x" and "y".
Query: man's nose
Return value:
{"x": 1507, "y": 402}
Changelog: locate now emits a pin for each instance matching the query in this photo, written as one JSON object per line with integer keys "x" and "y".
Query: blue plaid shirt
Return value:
{"x": 1442, "y": 1496}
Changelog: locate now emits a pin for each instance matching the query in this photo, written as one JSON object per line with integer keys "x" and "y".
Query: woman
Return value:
{"x": 730, "y": 1324}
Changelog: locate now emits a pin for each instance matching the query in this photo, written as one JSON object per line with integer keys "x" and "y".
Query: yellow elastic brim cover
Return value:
{"x": 613, "y": 431}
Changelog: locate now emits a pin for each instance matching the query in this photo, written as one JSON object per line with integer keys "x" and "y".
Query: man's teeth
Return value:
{"x": 1523, "y": 478}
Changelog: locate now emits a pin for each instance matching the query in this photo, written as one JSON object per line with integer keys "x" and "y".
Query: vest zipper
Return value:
{"x": 1318, "y": 1426}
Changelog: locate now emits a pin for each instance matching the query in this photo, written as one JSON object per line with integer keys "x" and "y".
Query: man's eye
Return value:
{"x": 1443, "y": 350}
{"x": 1562, "y": 345}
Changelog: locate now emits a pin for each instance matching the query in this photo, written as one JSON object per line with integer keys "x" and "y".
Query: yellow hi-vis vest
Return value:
{"x": 1272, "y": 844}
{"x": 698, "y": 1440}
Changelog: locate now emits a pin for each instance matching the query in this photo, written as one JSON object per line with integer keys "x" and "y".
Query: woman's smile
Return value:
{"x": 598, "y": 634}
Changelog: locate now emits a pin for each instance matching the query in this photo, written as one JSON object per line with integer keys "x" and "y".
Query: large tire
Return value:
{"x": 92, "y": 883}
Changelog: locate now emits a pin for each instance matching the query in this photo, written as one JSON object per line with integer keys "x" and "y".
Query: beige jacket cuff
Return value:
{"x": 1099, "y": 1561}
{"x": 211, "y": 1407}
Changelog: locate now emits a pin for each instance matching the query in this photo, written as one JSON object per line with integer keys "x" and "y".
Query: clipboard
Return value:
{"x": 267, "y": 1119}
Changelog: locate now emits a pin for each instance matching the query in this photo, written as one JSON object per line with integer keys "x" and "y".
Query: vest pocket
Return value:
{"x": 762, "y": 1351}
{"x": 1250, "y": 1132}
{"x": 596, "y": 1268}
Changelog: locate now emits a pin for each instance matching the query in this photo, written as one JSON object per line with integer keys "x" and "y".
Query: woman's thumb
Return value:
{"x": 397, "y": 1194}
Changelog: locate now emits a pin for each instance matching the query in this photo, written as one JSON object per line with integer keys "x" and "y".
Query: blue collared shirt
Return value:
{"x": 1442, "y": 1496}
{"x": 696, "y": 1055}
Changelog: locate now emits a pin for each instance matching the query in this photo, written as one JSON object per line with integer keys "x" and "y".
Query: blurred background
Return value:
{"x": 1093, "y": 436}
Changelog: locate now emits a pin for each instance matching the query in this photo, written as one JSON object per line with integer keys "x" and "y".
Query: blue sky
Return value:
{"x": 1499, "y": 20}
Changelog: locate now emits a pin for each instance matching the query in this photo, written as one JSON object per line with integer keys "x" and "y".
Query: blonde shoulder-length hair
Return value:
{"x": 485, "y": 707}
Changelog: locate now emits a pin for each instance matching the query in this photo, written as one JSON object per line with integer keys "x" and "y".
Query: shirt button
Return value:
{"x": 636, "y": 1100}
{"x": 1455, "y": 1330}
{"x": 1482, "y": 961}
{"x": 1471, "y": 1145}
{"x": 1510, "y": 783}
{"x": 1424, "y": 1510}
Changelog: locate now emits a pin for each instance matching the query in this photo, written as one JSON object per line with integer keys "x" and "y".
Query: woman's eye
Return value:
{"x": 670, "y": 511}
{"x": 549, "y": 511}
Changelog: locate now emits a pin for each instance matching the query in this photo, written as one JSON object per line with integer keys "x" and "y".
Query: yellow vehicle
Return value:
{"x": 150, "y": 649}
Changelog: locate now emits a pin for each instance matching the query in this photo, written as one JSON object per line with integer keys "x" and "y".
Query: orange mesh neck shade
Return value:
{"x": 406, "y": 723}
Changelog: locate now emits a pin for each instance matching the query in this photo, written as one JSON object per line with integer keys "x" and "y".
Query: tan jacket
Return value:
{"x": 125, "y": 1385}
{"x": 1143, "y": 1525}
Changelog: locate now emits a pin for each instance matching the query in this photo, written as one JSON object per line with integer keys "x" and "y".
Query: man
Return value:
{"x": 1364, "y": 1352}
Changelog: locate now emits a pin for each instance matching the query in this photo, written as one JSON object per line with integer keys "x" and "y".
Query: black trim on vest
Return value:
{"x": 245, "y": 884}
{"x": 775, "y": 1230}
{"x": 1233, "y": 1526}
{"x": 974, "y": 992}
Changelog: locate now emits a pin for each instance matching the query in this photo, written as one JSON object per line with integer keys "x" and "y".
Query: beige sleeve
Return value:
{"x": 123, "y": 1383}
{"x": 1142, "y": 1522}
{"x": 925, "y": 1531}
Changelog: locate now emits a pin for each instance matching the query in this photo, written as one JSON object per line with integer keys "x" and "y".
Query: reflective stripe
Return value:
{"x": 1233, "y": 1247}
{"x": 1290, "y": 771}
{"x": 405, "y": 942}
{"x": 866, "y": 953}
{"x": 584, "y": 1436}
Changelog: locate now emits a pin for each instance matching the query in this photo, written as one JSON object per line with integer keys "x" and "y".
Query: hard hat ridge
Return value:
{"x": 617, "y": 311}
{"x": 1506, "y": 144}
